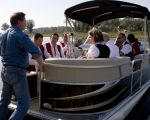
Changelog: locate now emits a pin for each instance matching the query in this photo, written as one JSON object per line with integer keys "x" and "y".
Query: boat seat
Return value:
{"x": 86, "y": 71}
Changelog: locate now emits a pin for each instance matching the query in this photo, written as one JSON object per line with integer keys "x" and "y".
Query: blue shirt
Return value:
{"x": 15, "y": 46}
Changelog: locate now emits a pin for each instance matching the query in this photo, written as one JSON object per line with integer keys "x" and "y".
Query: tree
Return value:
{"x": 133, "y": 24}
{"x": 109, "y": 25}
{"x": 30, "y": 25}
{"x": 4, "y": 26}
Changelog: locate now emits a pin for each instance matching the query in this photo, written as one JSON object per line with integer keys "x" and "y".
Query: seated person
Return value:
{"x": 134, "y": 44}
{"x": 38, "y": 39}
{"x": 97, "y": 49}
{"x": 64, "y": 42}
{"x": 125, "y": 49}
{"x": 114, "y": 50}
{"x": 54, "y": 50}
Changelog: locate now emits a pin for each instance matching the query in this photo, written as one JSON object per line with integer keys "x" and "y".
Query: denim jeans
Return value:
{"x": 14, "y": 81}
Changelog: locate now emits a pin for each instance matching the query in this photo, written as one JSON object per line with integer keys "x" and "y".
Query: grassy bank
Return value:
{"x": 139, "y": 34}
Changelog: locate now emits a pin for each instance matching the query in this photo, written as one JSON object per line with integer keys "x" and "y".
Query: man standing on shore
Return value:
{"x": 14, "y": 48}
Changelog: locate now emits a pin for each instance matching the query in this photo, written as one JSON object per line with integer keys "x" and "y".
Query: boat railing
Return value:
{"x": 145, "y": 59}
{"x": 140, "y": 66}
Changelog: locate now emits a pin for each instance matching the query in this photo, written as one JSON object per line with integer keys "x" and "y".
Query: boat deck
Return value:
{"x": 116, "y": 113}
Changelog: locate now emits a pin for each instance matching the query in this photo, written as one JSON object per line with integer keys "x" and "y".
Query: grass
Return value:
{"x": 139, "y": 34}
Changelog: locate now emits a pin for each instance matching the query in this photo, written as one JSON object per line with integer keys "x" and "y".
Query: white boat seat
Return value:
{"x": 86, "y": 71}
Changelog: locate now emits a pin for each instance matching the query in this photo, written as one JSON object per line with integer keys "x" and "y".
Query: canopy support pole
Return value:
{"x": 145, "y": 36}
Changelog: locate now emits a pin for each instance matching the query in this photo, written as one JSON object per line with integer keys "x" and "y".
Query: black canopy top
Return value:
{"x": 93, "y": 12}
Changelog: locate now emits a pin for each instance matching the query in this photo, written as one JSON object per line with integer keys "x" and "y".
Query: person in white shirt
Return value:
{"x": 38, "y": 39}
{"x": 125, "y": 48}
{"x": 63, "y": 42}
{"x": 53, "y": 49}
{"x": 97, "y": 49}
{"x": 114, "y": 50}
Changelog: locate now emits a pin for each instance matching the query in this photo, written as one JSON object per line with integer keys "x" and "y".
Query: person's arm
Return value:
{"x": 93, "y": 52}
{"x": 32, "y": 49}
{"x": 46, "y": 54}
{"x": 62, "y": 52}
{"x": 39, "y": 60}
{"x": 31, "y": 60}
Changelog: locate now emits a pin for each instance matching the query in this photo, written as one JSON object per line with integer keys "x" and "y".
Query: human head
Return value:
{"x": 105, "y": 36}
{"x": 131, "y": 38}
{"x": 54, "y": 38}
{"x": 65, "y": 37}
{"x": 18, "y": 19}
{"x": 120, "y": 28}
{"x": 121, "y": 38}
{"x": 95, "y": 35}
{"x": 38, "y": 39}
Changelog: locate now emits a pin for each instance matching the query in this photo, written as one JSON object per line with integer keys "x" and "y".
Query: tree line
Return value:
{"x": 131, "y": 24}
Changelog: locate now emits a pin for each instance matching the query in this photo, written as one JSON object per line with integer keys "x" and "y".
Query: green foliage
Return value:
{"x": 138, "y": 34}
{"x": 80, "y": 26}
{"x": 4, "y": 26}
{"x": 133, "y": 24}
{"x": 109, "y": 25}
{"x": 30, "y": 25}
{"x": 50, "y": 30}
{"x": 130, "y": 24}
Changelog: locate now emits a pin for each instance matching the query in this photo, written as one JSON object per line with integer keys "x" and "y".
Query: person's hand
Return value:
{"x": 39, "y": 67}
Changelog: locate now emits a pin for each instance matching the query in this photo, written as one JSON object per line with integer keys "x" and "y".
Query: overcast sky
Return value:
{"x": 45, "y": 13}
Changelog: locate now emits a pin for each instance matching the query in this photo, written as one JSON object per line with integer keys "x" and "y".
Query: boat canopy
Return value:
{"x": 96, "y": 11}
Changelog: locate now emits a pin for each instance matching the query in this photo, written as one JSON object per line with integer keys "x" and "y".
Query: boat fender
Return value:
{"x": 47, "y": 105}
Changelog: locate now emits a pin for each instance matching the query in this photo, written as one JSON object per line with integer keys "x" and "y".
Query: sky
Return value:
{"x": 45, "y": 13}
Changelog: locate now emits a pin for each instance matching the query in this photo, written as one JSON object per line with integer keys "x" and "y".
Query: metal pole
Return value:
{"x": 145, "y": 36}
